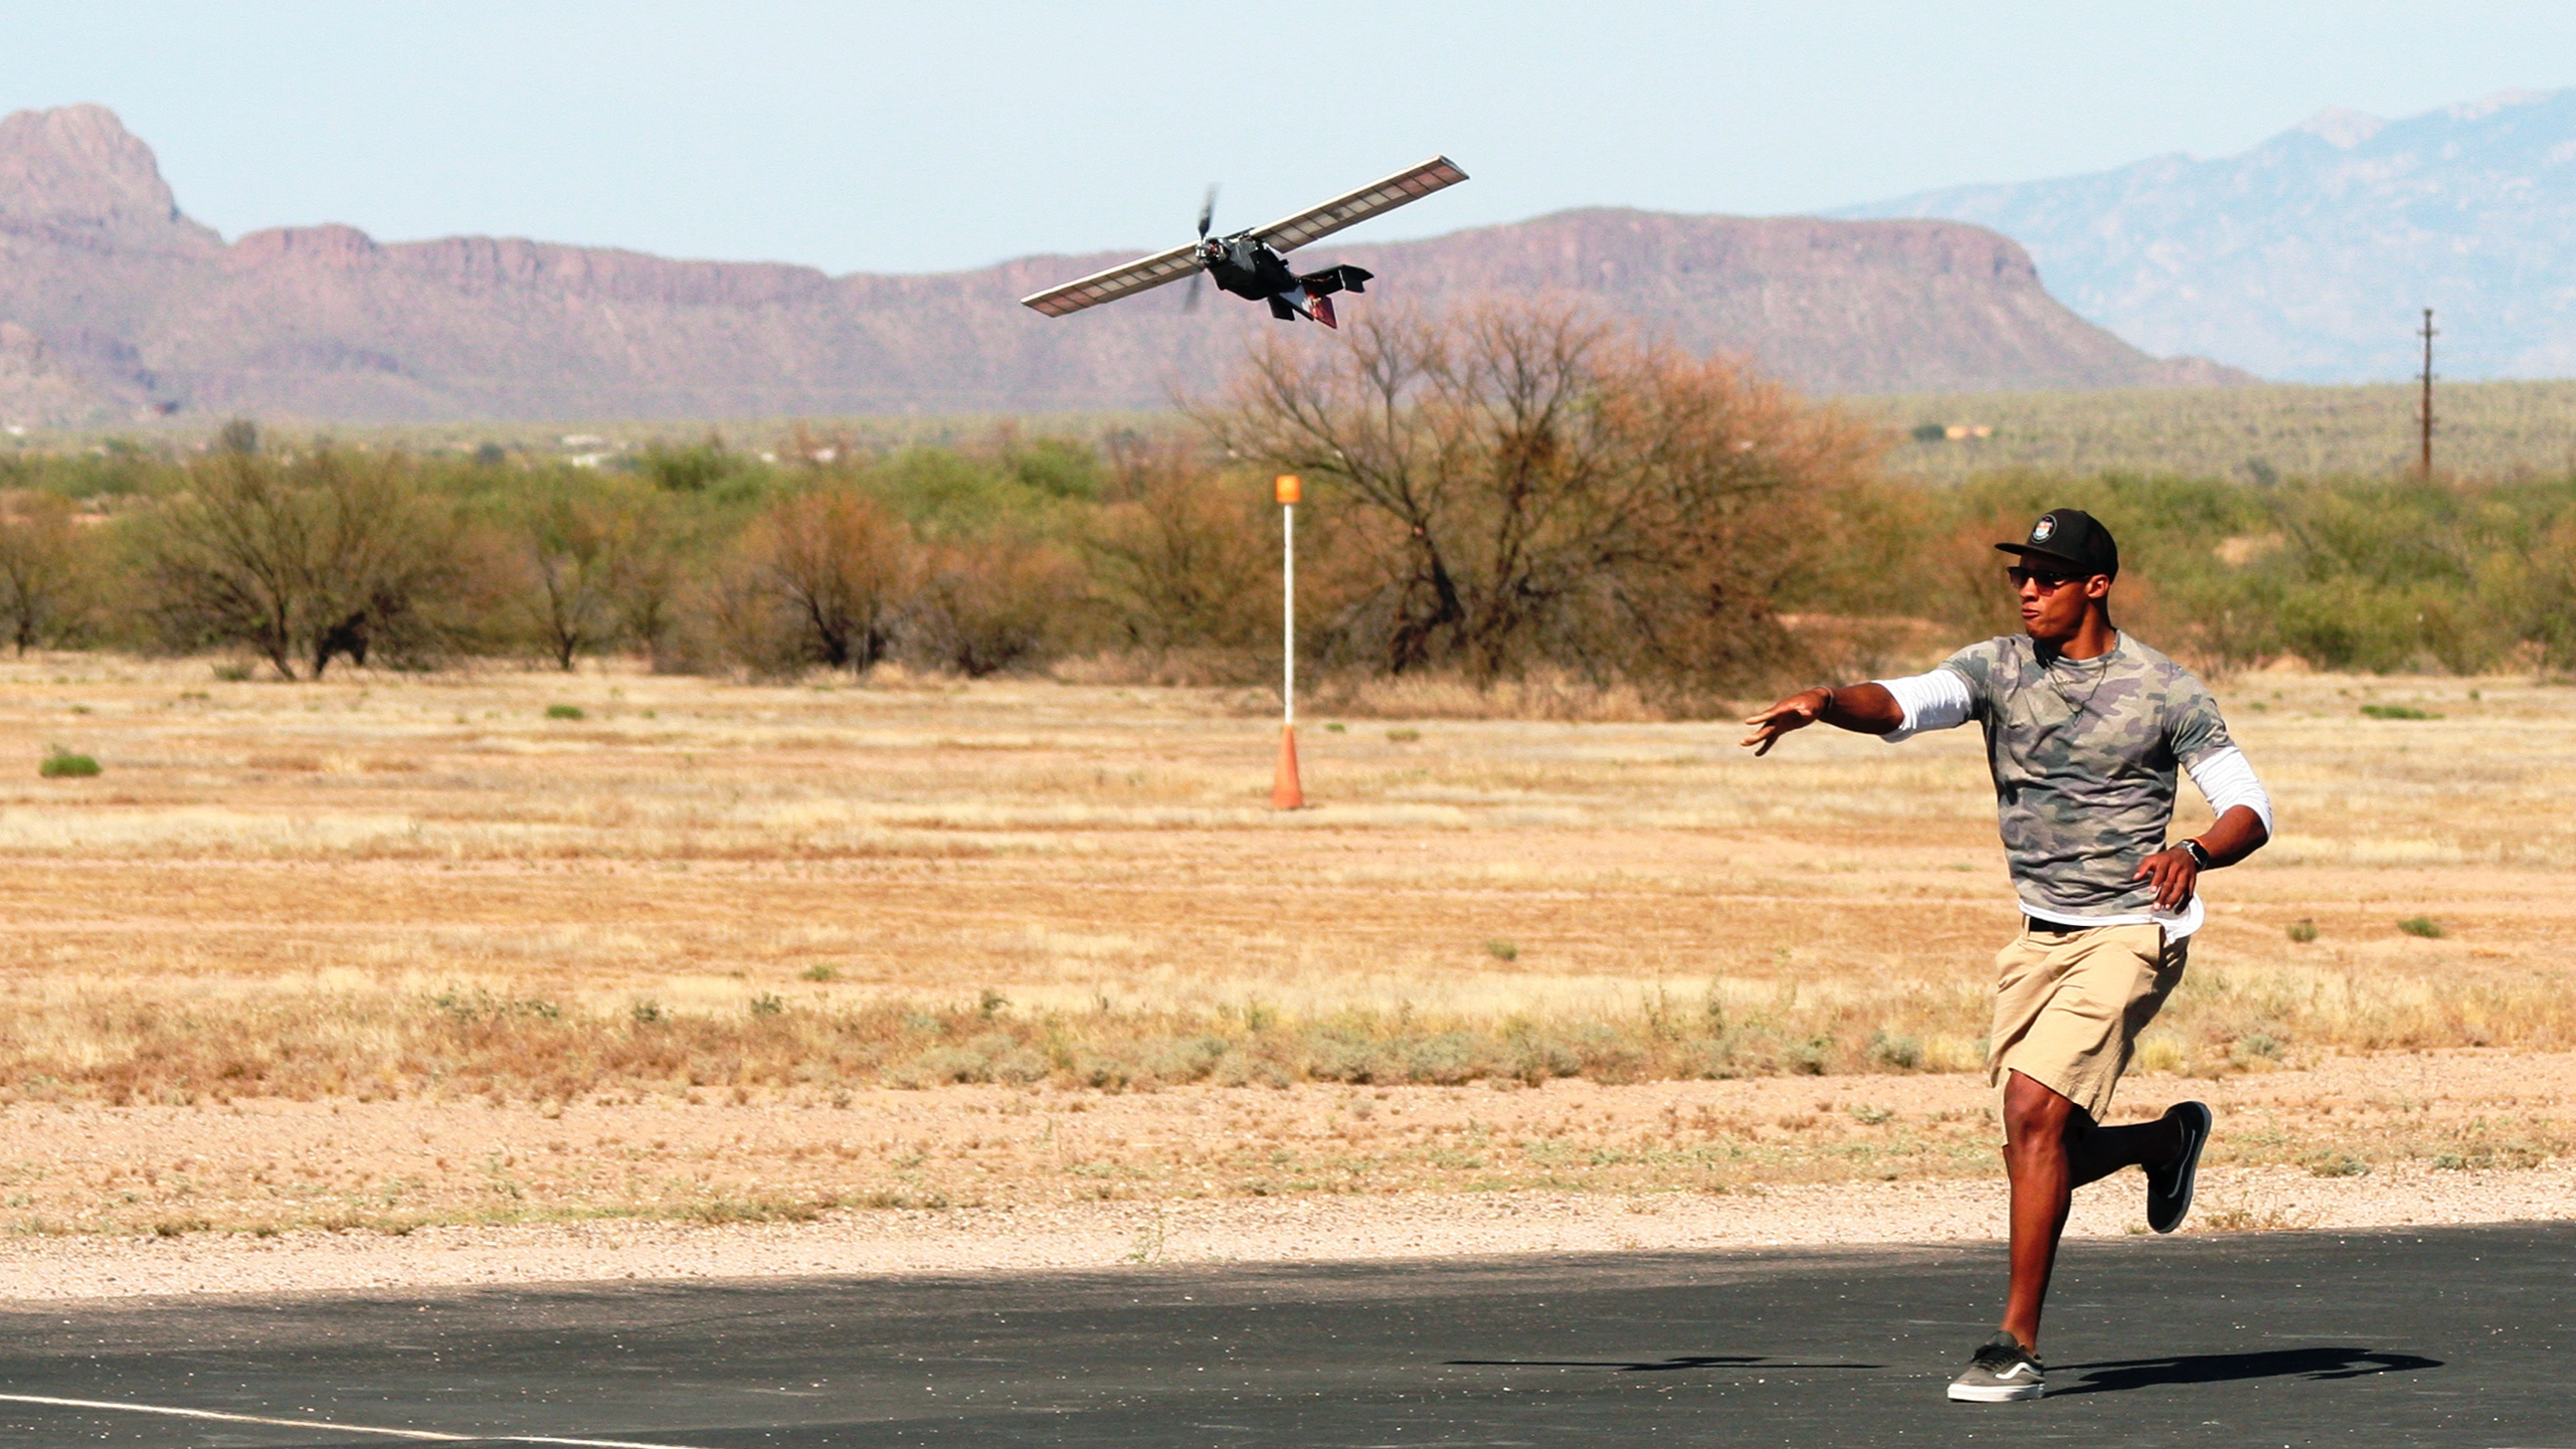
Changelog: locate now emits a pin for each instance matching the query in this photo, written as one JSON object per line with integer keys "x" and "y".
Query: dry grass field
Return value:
{"x": 399, "y": 949}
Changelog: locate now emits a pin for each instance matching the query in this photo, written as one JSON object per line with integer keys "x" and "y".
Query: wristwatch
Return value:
{"x": 2198, "y": 852}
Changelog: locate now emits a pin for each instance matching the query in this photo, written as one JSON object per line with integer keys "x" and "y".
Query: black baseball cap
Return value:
{"x": 2073, "y": 540}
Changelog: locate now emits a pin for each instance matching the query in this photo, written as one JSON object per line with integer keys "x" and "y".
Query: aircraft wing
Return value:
{"x": 1117, "y": 282}
{"x": 1322, "y": 221}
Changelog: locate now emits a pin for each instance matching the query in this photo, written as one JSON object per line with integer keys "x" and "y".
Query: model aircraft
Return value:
{"x": 1254, "y": 264}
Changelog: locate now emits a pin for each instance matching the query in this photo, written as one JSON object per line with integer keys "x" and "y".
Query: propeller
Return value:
{"x": 1207, "y": 218}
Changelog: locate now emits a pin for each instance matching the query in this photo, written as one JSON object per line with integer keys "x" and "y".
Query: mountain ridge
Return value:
{"x": 123, "y": 305}
{"x": 2308, "y": 256}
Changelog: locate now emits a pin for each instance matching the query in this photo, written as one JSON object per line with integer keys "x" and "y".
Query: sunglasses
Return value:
{"x": 2044, "y": 580}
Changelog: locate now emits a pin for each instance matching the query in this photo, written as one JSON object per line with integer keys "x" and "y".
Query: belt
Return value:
{"x": 2052, "y": 928}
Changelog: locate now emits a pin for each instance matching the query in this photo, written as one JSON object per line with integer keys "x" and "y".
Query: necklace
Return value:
{"x": 2075, "y": 707}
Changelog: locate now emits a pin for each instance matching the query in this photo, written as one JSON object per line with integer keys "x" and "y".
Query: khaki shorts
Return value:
{"x": 2069, "y": 1004}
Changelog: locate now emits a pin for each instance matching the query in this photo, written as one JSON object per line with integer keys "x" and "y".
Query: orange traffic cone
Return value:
{"x": 1285, "y": 792}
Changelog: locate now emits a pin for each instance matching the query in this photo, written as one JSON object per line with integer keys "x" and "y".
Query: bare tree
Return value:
{"x": 324, "y": 556}
{"x": 1522, "y": 483}
{"x": 43, "y": 567}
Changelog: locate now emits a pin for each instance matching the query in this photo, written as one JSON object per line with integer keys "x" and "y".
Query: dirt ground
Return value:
{"x": 969, "y": 1179}
{"x": 243, "y": 967}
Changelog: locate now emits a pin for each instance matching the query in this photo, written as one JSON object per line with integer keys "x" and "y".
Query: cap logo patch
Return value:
{"x": 2043, "y": 530}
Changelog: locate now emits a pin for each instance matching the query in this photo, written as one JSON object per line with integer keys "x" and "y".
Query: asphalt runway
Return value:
{"x": 2449, "y": 1337}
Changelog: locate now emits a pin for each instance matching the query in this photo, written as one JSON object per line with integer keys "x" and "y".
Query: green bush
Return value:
{"x": 1902, "y": 1053}
{"x": 565, "y": 711}
{"x": 691, "y": 469}
{"x": 62, "y": 764}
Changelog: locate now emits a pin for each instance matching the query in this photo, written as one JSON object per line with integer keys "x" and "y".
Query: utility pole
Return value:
{"x": 2424, "y": 457}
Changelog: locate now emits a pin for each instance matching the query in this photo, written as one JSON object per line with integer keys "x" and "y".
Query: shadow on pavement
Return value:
{"x": 1655, "y": 1366}
{"x": 2118, "y": 1375}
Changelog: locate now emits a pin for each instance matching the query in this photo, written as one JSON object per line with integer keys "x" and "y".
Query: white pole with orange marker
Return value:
{"x": 1285, "y": 792}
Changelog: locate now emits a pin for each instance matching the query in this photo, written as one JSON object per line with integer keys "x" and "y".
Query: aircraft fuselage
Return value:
{"x": 1248, "y": 268}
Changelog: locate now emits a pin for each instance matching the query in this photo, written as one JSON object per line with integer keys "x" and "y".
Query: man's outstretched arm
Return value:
{"x": 1867, "y": 708}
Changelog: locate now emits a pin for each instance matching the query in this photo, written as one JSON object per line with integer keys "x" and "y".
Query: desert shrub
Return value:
{"x": 1184, "y": 559}
{"x": 62, "y": 764}
{"x": 1185, "y": 1059}
{"x": 689, "y": 468}
{"x": 1053, "y": 467}
{"x": 322, "y": 556}
{"x": 2345, "y": 573}
{"x": 653, "y": 583}
{"x": 593, "y": 563}
{"x": 116, "y": 470}
{"x": 993, "y": 604}
{"x": 2540, "y": 590}
{"x": 1898, "y": 1052}
{"x": 47, "y": 570}
{"x": 1497, "y": 499}
{"x": 955, "y": 493}
{"x": 819, "y": 580}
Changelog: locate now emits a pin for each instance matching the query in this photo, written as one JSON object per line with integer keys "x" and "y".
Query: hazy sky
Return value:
{"x": 927, "y": 137}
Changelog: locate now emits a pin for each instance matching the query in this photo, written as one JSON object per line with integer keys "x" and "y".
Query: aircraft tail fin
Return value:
{"x": 1323, "y": 309}
{"x": 1335, "y": 279}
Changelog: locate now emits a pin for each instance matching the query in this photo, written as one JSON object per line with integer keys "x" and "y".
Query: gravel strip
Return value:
{"x": 1314, "y": 1229}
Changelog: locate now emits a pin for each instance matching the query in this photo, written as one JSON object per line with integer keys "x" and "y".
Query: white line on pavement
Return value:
{"x": 428, "y": 1435}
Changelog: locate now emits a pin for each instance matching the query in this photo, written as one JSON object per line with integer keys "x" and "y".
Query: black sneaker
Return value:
{"x": 2169, "y": 1187}
{"x": 2002, "y": 1371}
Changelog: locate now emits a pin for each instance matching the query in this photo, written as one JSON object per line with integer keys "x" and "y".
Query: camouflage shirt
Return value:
{"x": 2084, "y": 754}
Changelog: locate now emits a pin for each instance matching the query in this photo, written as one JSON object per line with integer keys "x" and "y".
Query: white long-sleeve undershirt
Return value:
{"x": 2225, "y": 778}
{"x": 1935, "y": 701}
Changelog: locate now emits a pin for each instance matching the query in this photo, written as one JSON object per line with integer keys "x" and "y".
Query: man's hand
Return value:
{"x": 2237, "y": 833}
{"x": 1868, "y": 708}
{"x": 2175, "y": 874}
{"x": 1794, "y": 713}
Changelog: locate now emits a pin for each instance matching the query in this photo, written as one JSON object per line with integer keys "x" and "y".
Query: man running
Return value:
{"x": 2084, "y": 729}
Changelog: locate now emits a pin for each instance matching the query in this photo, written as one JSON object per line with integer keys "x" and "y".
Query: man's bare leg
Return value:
{"x": 2051, "y": 1148}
